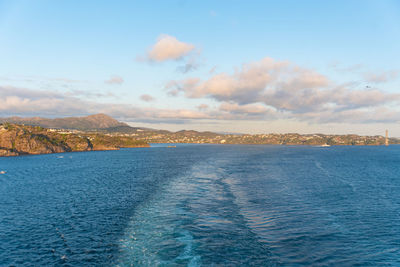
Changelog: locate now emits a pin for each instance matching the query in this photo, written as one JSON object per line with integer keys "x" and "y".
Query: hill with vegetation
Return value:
{"x": 24, "y": 140}
{"x": 92, "y": 122}
{"x": 262, "y": 139}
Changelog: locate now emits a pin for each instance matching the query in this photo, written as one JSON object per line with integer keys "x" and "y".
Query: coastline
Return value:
{"x": 18, "y": 140}
{"x": 76, "y": 151}
{"x": 218, "y": 144}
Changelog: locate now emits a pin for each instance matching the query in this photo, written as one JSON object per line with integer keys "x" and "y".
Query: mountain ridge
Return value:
{"x": 91, "y": 122}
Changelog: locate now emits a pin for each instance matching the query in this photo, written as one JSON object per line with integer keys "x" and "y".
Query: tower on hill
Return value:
{"x": 387, "y": 138}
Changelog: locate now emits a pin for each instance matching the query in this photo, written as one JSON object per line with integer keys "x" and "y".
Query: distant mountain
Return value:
{"x": 92, "y": 122}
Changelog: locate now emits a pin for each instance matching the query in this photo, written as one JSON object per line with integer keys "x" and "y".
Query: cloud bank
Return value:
{"x": 26, "y": 102}
{"x": 267, "y": 89}
{"x": 269, "y": 86}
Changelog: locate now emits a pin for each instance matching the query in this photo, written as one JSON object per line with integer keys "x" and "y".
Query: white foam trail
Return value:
{"x": 155, "y": 223}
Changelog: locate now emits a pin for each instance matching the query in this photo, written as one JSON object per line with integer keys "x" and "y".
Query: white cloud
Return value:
{"x": 381, "y": 77}
{"x": 212, "y": 70}
{"x": 175, "y": 87}
{"x": 190, "y": 65}
{"x": 250, "y": 83}
{"x": 147, "y": 98}
{"x": 115, "y": 80}
{"x": 245, "y": 112}
{"x": 355, "y": 68}
{"x": 359, "y": 115}
{"x": 203, "y": 107}
{"x": 169, "y": 48}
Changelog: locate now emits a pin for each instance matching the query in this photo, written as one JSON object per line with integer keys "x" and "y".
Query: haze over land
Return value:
{"x": 306, "y": 67}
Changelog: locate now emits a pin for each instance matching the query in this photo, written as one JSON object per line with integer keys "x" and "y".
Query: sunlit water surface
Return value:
{"x": 207, "y": 205}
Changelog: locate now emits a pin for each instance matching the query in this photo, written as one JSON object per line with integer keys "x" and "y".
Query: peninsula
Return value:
{"x": 18, "y": 139}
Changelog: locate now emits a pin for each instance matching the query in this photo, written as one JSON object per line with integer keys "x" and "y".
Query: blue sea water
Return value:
{"x": 203, "y": 205}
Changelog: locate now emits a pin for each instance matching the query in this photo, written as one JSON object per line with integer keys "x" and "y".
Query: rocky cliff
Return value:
{"x": 23, "y": 140}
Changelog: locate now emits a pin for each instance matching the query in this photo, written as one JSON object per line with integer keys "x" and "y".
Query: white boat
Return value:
{"x": 325, "y": 145}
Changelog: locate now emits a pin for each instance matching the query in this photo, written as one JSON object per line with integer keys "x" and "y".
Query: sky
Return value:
{"x": 223, "y": 66}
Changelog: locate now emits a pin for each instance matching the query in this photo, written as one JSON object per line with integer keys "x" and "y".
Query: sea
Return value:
{"x": 203, "y": 205}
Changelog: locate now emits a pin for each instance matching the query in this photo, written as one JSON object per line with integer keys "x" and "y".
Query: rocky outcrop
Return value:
{"x": 23, "y": 140}
{"x": 7, "y": 153}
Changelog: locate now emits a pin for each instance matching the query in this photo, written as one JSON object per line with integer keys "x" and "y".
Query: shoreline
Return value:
{"x": 149, "y": 146}
{"x": 77, "y": 151}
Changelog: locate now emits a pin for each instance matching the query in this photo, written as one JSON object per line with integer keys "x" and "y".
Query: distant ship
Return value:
{"x": 171, "y": 146}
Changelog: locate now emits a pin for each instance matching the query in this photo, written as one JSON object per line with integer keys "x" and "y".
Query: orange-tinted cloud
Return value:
{"x": 169, "y": 48}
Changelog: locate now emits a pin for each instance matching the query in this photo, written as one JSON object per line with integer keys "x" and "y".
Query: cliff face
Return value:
{"x": 22, "y": 140}
{"x": 19, "y": 140}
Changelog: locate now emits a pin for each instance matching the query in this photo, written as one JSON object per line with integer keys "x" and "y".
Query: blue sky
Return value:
{"x": 333, "y": 66}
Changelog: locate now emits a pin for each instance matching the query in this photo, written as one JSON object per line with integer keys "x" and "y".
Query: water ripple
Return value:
{"x": 203, "y": 205}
